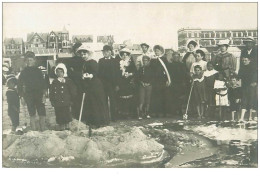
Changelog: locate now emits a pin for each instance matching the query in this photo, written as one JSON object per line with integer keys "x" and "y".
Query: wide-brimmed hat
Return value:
{"x": 107, "y": 48}
{"x": 158, "y": 47}
{"x": 29, "y": 54}
{"x": 85, "y": 47}
{"x": 124, "y": 50}
{"x": 223, "y": 42}
{"x": 193, "y": 42}
{"x": 144, "y": 44}
{"x": 249, "y": 39}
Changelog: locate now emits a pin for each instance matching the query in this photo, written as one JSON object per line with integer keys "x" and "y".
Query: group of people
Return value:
{"x": 119, "y": 87}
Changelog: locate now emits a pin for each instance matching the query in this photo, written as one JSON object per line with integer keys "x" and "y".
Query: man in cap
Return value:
{"x": 145, "y": 52}
{"x": 225, "y": 61}
{"x": 32, "y": 88}
{"x": 249, "y": 51}
{"x": 108, "y": 72}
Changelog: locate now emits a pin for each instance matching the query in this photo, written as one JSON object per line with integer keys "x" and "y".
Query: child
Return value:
{"x": 13, "y": 102}
{"x": 144, "y": 79}
{"x": 200, "y": 60}
{"x": 234, "y": 96}
{"x": 62, "y": 92}
{"x": 210, "y": 76}
{"x": 221, "y": 93}
{"x": 199, "y": 91}
{"x": 32, "y": 88}
{"x": 248, "y": 75}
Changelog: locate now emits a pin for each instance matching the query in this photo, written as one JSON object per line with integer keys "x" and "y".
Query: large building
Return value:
{"x": 208, "y": 38}
{"x": 36, "y": 40}
{"x": 59, "y": 40}
{"x": 13, "y": 46}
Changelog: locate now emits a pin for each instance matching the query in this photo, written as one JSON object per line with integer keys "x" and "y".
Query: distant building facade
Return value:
{"x": 208, "y": 38}
{"x": 36, "y": 40}
{"x": 59, "y": 40}
{"x": 13, "y": 46}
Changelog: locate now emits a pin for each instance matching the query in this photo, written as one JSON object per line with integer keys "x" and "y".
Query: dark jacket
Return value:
{"x": 144, "y": 74}
{"x": 61, "y": 94}
{"x": 253, "y": 56}
{"x": 160, "y": 76}
{"x": 248, "y": 74}
{"x": 107, "y": 72}
{"x": 31, "y": 80}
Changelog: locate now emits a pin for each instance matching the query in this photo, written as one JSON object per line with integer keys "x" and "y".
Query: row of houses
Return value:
{"x": 54, "y": 42}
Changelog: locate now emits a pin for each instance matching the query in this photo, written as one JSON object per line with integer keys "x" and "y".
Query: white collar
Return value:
{"x": 208, "y": 73}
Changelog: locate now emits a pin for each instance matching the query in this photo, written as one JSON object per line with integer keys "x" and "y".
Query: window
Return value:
{"x": 7, "y": 47}
{"x": 36, "y": 45}
{"x": 189, "y": 35}
{"x": 36, "y": 40}
{"x": 64, "y": 44}
{"x": 254, "y": 34}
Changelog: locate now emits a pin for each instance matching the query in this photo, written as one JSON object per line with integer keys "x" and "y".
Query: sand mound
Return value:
{"x": 107, "y": 143}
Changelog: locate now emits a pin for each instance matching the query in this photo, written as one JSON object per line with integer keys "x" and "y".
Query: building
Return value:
{"x": 82, "y": 38}
{"x": 208, "y": 38}
{"x": 13, "y": 46}
{"x": 59, "y": 40}
{"x": 36, "y": 40}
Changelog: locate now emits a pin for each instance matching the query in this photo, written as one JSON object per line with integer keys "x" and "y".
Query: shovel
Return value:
{"x": 185, "y": 116}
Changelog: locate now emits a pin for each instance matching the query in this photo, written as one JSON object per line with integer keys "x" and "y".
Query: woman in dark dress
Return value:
{"x": 95, "y": 108}
{"x": 126, "y": 82}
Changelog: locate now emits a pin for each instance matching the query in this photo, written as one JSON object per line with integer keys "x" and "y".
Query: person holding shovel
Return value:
{"x": 32, "y": 90}
{"x": 94, "y": 108}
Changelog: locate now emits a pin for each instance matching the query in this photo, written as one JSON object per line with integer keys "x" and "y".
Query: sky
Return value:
{"x": 154, "y": 23}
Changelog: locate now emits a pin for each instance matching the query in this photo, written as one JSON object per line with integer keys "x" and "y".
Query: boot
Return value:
{"x": 32, "y": 123}
{"x": 42, "y": 123}
{"x": 13, "y": 129}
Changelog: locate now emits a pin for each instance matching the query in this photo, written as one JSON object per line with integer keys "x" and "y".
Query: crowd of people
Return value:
{"x": 119, "y": 87}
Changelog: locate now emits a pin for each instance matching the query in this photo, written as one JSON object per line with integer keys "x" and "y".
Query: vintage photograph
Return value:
{"x": 129, "y": 85}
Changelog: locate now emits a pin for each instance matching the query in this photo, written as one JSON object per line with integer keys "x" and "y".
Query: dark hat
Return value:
{"x": 107, "y": 48}
{"x": 158, "y": 47}
{"x": 193, "y": 43}
{"x": 249, "y": 39}
{"x": 144, "y": 44}
{"x": 29, "y": 54}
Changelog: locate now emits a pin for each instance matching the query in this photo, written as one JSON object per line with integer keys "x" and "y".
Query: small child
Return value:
{"x": 144, "y": 79}
{"x": 221, "y": 93}
{"x": 234, "y": 96}
{"x": 13, "y": 102}
{"x": 210, "y": 77}
{"x": 62, "y": 91}
{"x": 248, "y": 75}
{"x": 200, "y": 60}
{"x": 199, "y": 91}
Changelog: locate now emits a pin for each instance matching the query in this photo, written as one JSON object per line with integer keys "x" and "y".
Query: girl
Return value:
{"x": 210, "y": 77}
{"x": 200, "y": 60}
{"x": 199, "y": 92}
{"x": 95, "y": 110}
{"x": 126, "y": 84}
{"x": 62, "y": 92}
{"x": 221, "y": 94}
{"x": 144, "y": 78}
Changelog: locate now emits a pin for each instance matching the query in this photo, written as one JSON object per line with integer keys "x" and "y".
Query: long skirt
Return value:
{"x": 95, "y": 110}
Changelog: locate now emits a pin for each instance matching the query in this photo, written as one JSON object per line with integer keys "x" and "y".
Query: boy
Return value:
{"x": 145, "y": 52}
{"x": 234, "y": 96}
{"x": 31, "y": 87}
{"x": 62, "y": 92}
{"x": 13, "y": 102}
{"x": 200, "y": 60}
{"x": 108, "y": 74}
{"x": 248, "y": 75}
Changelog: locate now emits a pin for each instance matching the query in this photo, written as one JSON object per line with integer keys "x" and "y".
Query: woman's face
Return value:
{"x": 191, "y": 47}
{"x": 198, "y": 57}
{"x": 158, "y": 52}
{"x": 124, "y": 55}
{"x": 84, "y": 54}
{"x": 144, "y": 48}
{"x": 30, "y": 62}
{"x": 245, "y": 61}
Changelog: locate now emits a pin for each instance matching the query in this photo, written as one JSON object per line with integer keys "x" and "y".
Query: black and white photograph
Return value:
{"x": 129, "y": 85}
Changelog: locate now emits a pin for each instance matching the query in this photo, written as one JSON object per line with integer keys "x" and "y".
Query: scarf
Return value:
{"x": 165, "y": 69}
{"x": 210, "y": 73}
